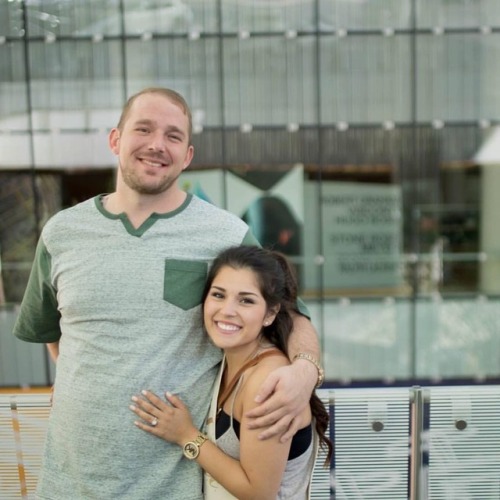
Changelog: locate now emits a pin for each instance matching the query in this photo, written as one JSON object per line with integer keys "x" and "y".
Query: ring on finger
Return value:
{"x": 154, "y": 422}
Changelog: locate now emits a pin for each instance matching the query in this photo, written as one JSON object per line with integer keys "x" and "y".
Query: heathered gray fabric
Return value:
{"x": 119, "y": 335}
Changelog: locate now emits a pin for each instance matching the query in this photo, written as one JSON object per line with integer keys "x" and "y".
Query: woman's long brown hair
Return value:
{"x": 278, "y": 286}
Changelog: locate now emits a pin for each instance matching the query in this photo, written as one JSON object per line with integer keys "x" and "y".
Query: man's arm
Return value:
{"x": 304, "y": 338}
{"x": 287, "y": 390}
{"x": 53, "y": 349}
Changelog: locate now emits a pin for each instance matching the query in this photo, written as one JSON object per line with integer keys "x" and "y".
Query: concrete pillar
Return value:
{"x": 489, "y": 281}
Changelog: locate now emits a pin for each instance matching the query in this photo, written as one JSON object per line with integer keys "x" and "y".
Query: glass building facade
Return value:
{"x": 357, "y": 136}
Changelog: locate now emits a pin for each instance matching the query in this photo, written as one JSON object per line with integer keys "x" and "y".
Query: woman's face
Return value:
{"x": 235, "y": 311}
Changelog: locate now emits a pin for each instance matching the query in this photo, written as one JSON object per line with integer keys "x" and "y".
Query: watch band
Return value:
{"x": 192, "y": 448}
{"x": 315, "y": 362}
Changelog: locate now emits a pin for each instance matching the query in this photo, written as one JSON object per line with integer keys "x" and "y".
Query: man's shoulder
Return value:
{"x": 211, "y": 210}
{"x": 66, "y": 216}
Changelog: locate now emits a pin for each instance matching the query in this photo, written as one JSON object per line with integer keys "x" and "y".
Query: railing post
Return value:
{"x": 416, "y": 426}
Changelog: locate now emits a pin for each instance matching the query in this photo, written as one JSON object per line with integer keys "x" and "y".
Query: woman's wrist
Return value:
{"x": 189, "y": 435}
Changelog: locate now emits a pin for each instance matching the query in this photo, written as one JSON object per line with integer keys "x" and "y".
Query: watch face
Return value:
{"x": 191, "y": 450}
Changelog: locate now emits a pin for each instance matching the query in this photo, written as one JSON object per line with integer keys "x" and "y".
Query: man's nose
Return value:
{"x": 156, "y": 142}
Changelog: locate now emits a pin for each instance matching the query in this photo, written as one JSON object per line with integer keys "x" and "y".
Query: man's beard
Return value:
{"x": 135, "y": 183}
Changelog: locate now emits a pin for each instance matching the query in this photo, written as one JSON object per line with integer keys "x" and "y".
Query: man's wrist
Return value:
{"x": 313, "y": 361}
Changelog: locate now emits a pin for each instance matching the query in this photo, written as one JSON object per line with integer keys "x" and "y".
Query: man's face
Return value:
{"x": 153, "y": 146}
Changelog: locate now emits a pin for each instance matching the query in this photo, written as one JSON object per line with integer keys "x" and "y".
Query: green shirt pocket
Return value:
{"x": 183, "y": 282}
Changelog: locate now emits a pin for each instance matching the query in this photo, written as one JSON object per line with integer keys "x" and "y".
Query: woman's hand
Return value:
{"x": 169, "y": 420}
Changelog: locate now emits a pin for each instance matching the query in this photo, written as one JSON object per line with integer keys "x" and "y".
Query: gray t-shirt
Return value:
{"x": 125, "y": 305}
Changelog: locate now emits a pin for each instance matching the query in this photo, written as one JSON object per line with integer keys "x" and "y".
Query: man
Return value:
{"x": 115, "y": 293}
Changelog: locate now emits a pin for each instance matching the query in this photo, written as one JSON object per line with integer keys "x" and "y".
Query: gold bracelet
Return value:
{"x": 315, "y": 362}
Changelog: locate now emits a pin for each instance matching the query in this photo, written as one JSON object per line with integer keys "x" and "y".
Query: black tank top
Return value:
{"x": 300, "y": 442}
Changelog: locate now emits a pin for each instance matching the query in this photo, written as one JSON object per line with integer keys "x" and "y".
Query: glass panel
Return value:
{"x": 455, "y": 78}
{"x": 171, "y": 17}
{"x": 365, "y": 79}
{"x": 269, "y": 81}
{"x": 275, "y": 16}
{"x": 15, "y": 148}
{"x": 13, "y": 94}
{"x": 76, "y": 94}
{"x": 257, "y": 67}
{"x": 52, "y": 18}
{"x": 457, "y": 13}
{"x": 205, "y": 15}
{"x": 189, "y": 66}
{"x": 367, "y": 339}
{"x": 457, "y": 338}
{"x": 11, "y": 19}
{"x": 449, "y": 217}
{"x": 364, "y": 14}
{"x": 157, "y": 17}
{"x": 75, "y": 75}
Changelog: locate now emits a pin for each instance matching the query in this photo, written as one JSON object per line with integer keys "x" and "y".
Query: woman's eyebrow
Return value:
{"x": 242, "y": 293}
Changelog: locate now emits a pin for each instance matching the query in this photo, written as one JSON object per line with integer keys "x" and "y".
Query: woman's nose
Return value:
{"x": 228, "y": 308}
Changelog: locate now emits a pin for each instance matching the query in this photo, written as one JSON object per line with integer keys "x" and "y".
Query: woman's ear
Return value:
{"x": 271, "y": 315}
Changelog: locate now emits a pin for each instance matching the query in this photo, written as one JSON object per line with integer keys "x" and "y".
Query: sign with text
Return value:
{"x": 362, "y": 235}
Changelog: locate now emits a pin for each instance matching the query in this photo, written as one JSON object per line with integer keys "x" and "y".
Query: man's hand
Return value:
{"x": 282, "y": 397}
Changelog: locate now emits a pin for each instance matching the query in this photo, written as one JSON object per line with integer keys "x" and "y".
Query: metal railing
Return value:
{"x": 414, "y": 443}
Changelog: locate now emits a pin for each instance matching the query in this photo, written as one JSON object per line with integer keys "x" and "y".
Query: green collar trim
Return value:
{"x": 147, "y": 223}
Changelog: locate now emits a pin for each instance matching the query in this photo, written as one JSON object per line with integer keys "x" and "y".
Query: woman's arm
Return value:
{"x": 258, "y": 473}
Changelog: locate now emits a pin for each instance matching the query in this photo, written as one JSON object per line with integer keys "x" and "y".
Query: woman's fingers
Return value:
{"x": 175, "y": 401}
{"x": 147, "y": 414}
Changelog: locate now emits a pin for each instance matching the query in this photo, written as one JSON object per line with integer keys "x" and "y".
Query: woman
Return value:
{"x": 249, "y": 300}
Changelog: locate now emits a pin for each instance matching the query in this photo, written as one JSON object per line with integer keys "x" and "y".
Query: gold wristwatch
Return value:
{"x": 192, "y": 448}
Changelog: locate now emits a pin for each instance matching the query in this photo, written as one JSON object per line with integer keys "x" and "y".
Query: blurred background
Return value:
{"x": 360, "y": 137}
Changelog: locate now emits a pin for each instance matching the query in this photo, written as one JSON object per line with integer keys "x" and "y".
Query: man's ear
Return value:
{"x": 114, "y": 141}
{"x": 189, "y": 157}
